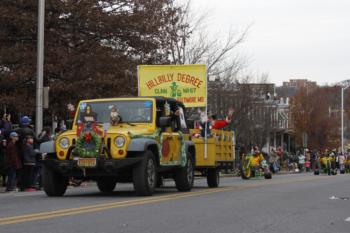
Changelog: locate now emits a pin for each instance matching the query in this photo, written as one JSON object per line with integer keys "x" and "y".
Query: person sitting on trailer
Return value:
{"x": 220, "y": 124}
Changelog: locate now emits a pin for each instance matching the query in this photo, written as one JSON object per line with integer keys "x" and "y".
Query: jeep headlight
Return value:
{"x": 64, "y": 143}
{"x": 119, "y": 141}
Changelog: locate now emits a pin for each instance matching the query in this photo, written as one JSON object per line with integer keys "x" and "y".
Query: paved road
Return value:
{"x": 287, "y": 203}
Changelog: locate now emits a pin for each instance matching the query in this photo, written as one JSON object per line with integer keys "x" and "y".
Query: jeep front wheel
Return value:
{"x": 54, "y": 184}
{"x": 145, "y": 175}
{"x": 184, "y": 176}
{"x": 106, "y": 185}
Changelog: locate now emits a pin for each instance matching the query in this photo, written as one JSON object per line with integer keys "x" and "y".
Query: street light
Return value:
{"x": 343, "y": 88}
{"x": 40, "y": 68}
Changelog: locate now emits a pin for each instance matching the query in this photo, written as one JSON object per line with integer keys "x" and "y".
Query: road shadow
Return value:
{"x": 125, "y": 193}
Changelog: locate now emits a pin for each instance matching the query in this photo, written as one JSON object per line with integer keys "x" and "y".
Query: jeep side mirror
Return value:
{"x": 165, "y": 122}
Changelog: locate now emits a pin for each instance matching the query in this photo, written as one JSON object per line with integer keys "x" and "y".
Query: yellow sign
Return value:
{"x": 186, "y": 83}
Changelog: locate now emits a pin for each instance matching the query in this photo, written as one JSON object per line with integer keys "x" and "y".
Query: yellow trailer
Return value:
{"x": 217, "y": 154}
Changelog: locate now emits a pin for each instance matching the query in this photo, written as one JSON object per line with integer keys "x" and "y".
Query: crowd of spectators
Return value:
{"x": 20, "y": 159}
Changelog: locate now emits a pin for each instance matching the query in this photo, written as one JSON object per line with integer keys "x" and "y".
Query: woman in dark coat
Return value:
{"x": 13, "y": 162}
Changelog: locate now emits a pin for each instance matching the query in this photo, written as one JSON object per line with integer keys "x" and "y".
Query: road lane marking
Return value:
{"x": 106, "y": 206}
{"x": 142, "y": 201}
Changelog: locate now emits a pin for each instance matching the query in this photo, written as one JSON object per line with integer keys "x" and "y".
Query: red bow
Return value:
{"x": 88, "y": 137}
{"x": 96, "y": 129}
{"x": 80, "y": 129}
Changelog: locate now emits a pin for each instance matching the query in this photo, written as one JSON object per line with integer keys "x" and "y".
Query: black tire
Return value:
{"x": 342, "y": 171}
{"x": 316, "y": 172}
{"x": 54, "y": 184}
{"x": 106, "y": 184}
{"x": 268, "y": 175}
{"x": 184, "y": 177}
{"x": 145, "y": 175}
{"x": 213, "y": 178}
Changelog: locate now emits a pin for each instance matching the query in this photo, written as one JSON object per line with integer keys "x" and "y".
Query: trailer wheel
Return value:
{"x": 213, "y": 178}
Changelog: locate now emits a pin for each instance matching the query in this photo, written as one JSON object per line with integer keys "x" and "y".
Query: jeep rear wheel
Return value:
{"x": 106, "y": 185}
{"x": 184, "y": 176}
{"x": 213, "y": 178}
{"x": 54, "y": 184}
{"x": 145, "y": 175}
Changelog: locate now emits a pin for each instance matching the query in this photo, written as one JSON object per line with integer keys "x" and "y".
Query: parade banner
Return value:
{"x": 186, "y": 83}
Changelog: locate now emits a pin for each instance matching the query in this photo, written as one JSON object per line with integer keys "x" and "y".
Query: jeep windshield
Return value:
{"x": 127, "y": 111}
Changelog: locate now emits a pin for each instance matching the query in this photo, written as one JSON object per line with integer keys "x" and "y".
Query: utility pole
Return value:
{"x": 40, "y": 67}
{"x": 343, "y": 88}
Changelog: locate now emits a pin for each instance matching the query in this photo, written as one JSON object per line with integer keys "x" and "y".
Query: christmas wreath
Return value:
{"x": 88, "y": 144}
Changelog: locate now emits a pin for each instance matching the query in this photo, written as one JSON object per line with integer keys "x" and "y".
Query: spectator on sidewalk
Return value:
{"x": 6, "y": 125}
{"x": 307, "y": 155}
{"x": 24, "y": 129}
{"x": 341, "y": 161}
{"x": 273, "y": 161}
{"x": 29, "y": 157}
{"x": 308, "y": 165}
{"x": 301, "y": 162}
{"x": 2, "y": 159}
{"x": 44, "y": 136}
{"x": 13, "y": 162}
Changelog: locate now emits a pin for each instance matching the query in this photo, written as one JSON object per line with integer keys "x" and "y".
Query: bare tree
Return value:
{"x": 191, "y": 43}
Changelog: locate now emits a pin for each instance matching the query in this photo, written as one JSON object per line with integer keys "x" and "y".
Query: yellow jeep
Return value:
{"x": 138, "y": 140}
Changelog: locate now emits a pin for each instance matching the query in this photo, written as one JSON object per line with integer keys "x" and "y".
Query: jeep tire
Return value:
{"x": 144, "y": 175}
{"x": 106, "y": 184}
{"x": 213, "y": 178}
{"x": 184, "y": 176}
{"x": 54, "y": 184}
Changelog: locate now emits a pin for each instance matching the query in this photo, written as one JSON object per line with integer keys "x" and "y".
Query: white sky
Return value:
{"x": 288, "y": 38}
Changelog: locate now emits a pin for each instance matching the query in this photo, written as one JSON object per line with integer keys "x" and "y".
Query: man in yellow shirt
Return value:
{"x": 258, "y": 160}
{"x": 253, "y": 164}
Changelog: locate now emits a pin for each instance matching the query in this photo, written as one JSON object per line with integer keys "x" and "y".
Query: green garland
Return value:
{"x": 82, "y": 147}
